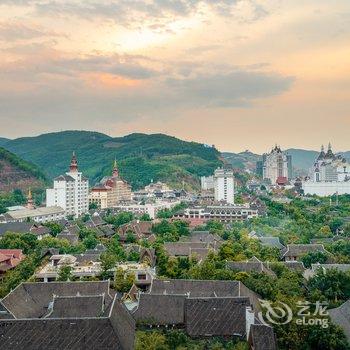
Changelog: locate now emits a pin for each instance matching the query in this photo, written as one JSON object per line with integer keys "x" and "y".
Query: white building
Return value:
{"x": 224, "y": 185}
{"x": 151, "y": 209}
{"x": 70, "y": 191}
{"x": 207, "y": 182}
{"x": 329, "y": 175}
{"x": 40, "y": 215}
{"x": 277, "y": 166}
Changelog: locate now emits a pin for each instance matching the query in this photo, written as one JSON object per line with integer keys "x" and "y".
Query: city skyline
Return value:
{"x": 237, "y": 74}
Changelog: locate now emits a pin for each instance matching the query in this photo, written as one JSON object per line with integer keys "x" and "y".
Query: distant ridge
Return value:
{"x": 141, "y": 157}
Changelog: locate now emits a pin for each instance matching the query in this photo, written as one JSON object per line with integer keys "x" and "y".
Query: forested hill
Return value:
{"x": 141, "y": 157}
{"x": 16, "y": 173}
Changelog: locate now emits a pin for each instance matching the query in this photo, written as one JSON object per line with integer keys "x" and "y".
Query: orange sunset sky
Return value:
{"x": 240, "y": 74}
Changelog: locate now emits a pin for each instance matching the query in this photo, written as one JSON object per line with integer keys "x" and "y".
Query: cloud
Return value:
{"x": 15, "y": 30}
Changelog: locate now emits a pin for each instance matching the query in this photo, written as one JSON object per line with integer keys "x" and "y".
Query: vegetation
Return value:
{"x": 140, "y": 157}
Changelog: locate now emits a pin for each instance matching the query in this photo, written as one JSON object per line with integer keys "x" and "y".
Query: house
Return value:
{"x": 65, "y": 315}
{"x": 262, "y": 337}
{"x": 148, "y": 256}
{"x": 188, "y": 249}
{"x": 139, "y": 229}
{"x": 71, "y": 238}
{"x": 324, "y": 267}
{"x": 341, "y": 317}
{"x": 294, "y": 252}
{"x": 202, "y": 236}
{"x": 252, "y": 265}
{"x": 202, "y": 308}
{"x": 271, "y": 242}
{"x": 25, "y": 227}
{"x": 9, "y": 259}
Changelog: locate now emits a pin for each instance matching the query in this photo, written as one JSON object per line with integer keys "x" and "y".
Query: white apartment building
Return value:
{"x": 224, "y": 186}
{"x": 70, "y": 191}
{"x": 207, "y": 182}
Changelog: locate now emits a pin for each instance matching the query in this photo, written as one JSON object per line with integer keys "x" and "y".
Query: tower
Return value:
{"x": 115, "y": 172}
{"x": 30, "y": 202}
{"x": 73, "y": 168}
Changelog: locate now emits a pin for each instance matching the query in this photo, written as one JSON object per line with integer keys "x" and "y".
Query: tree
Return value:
{"x": 145, "y": 217}
{"x": 108, "y": 261}
{"x": 65, "y": 273}
{"x": 313, "y": 258}
{"x": 90, "y": 242}
{"x": 93, "y": 205}
{"x": 150, "y": 341}
{"x": 123, "y": 281}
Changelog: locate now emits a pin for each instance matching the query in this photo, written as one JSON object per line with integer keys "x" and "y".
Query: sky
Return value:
{"x": 239, "y": 74}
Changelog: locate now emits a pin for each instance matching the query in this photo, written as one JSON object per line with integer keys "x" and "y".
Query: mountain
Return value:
{"x": 16, "y": 173}
{"x": 140, "y": 157}
{"x": 302, "y": 159}
{"x": 3, "y": 140}
{"x": 242, "y": 160}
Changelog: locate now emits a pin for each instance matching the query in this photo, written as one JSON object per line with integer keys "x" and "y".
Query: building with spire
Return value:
{"x": 30, "y": 202}
{"x": 329, "y": 175}
{"x": 70, "y": 191}
{"x": 111, "y": 190}
{"x": 276, "y": 166}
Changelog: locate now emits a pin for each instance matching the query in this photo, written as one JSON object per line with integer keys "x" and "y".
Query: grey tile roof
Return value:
{"x": 85, "y": 258}
{"x": 17, "y": 227}
{"x": 77, "y": 306}
{"x": 250, "y": 266}
{"x": 195, "y": 288}
{"x": 64, "y": 334}
{"x": 201, "y": 236}
{"x": 302, "y": 249}
{"x": 71, "y": 238}
{"x": 182, "y": 248}
{"x": 262, "y": 337}
{"x": 273, "y": 242}
{"x": 216, "y": 316}
{"x": 64, "y": 178}
{"x": 32, "y": 300}
{"x": 341, "y": 317}
{"x": 160, "y": 309}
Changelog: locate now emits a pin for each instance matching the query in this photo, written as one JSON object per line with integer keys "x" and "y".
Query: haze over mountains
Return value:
{"x": 141, "y": 157}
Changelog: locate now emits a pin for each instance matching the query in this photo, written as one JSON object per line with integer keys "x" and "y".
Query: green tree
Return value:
{"x": 65, "y": 273}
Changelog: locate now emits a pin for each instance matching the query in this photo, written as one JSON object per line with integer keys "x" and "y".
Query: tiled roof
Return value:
{"x": 17, "y": 227}
{"x": 77, "y": 306}
{"x": 262, "y": 337}
{"x": 216, "y": 316}
{"x": 341, "y": 317}
{"x": 182, "y": 248}
{"x": 63, "y": 334}
{"x": 301, "y": 249}
{"x": 160, "y": 309}
{"x": 195, "y": 288}
{"x": 273, "y": 242}
{"x": 32, "y": 300}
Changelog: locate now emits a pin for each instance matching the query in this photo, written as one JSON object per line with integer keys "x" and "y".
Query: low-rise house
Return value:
{"x": 271, "y": 242}
{"x": 341, "y": 317}
{"x": 25, "y": 227}
{"x": 65, "y": 315}
{"x": 324, "y": 267}
{"x": 262, "y": 337}
{"x": 200, "y": 250}
{"x": 143, "y": 273}
{"x": 9, "y": 259}
{"x": 201, "y": 308}
{"x": 148, "y": 256}
{"x": 203, "y": 237}
{"x": 296, "y": 266}
{"x": 40, "y": 215}
{"x": 71, "y": 238}
{"x": 252, "y": 265}
{"x": 294, "y": 252}
{"x": 139, "y": 229}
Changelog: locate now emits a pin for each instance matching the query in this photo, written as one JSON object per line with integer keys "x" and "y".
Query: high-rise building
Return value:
{"x": 224, "y": 185}
{"x": 111, "y": 190}
{"x": 276, "y": 166}
{"x": 70, "y": 191}
{"x": 207, "y": 182}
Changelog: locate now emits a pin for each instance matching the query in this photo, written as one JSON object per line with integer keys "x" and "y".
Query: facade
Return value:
{"x": 330, "y": 175}
{"x": 207, "y": 183}
{"x": 224, "y": 186}
{"x": 70, "y": 191}
{"x": 222, "y": 213}
{"x": 276, "y": 166}
{"x": 110, "y": 191}
{"x": 151, "y": 209}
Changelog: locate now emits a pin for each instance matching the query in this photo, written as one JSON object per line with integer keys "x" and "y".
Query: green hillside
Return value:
{"x": 141, "y": 157}
{"x": 3, "y": 140}
{"x": 16, "y": 173}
